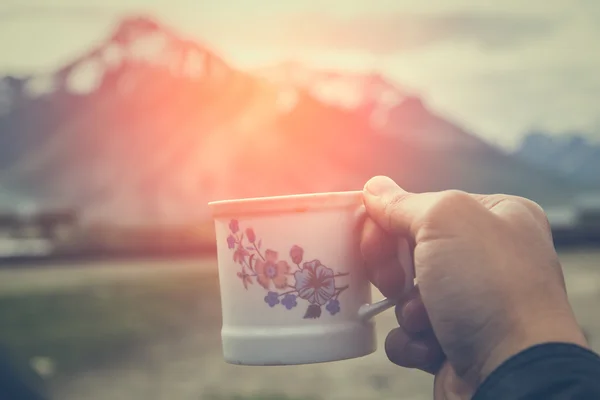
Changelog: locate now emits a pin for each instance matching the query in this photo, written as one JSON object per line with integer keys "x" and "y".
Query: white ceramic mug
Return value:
{"x": 293, "y": 286}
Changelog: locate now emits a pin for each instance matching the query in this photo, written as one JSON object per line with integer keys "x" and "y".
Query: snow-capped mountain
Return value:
{"x": 148, "y": 126}
{"x": 571, "y": 156}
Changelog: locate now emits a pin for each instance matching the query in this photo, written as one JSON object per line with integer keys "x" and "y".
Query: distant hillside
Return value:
{"x": 570, "y": 156}
{"x": 168, "y": 125}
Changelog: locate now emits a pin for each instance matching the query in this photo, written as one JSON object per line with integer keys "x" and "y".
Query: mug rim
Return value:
{"x": 286, "y": 203}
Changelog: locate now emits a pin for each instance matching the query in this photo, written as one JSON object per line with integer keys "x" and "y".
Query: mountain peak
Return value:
{"x": 569, "y": 154}
{"x": 137, "y": 42}
{"x": 346, "y": 89}
{"x": 133, "y": 26}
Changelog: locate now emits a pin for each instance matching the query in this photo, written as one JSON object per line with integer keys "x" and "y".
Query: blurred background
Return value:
{"x": 120, "y": 120}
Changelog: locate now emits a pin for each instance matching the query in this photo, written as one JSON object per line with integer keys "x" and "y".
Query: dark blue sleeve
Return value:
{"x": 552, "y": 371}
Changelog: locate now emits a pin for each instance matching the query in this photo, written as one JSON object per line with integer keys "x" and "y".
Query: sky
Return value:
{"x": 498, "y": 68}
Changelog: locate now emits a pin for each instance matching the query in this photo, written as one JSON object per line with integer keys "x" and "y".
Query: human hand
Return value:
{"x": 489, "y": 281}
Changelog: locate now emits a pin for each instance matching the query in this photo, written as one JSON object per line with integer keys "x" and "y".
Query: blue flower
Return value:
{"x": 289, "y": 301}
{"x": 272, "y": 299}
{"x": 333, "y": 307}
{"x": 234, "y": 226}
{"x": 230, "y": 241}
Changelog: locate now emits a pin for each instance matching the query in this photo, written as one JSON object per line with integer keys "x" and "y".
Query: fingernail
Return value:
{"x": 407, "y": 311}
{"x": 380, "y": 185}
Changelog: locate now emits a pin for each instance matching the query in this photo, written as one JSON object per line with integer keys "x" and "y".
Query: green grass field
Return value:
{"x": 136, "y": 329}
{"x": 81, "y": 327}
{"x": 103, "y": 322}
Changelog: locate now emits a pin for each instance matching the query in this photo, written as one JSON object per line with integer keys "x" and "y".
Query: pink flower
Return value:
{"x": 271, "y": 270}
{"x": 250, "y": 235}
{"x": 234, "y": 226}
{"x": 296, "y": 254}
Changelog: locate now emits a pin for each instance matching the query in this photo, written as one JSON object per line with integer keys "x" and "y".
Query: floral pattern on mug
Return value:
{"x": 311, "y": 281}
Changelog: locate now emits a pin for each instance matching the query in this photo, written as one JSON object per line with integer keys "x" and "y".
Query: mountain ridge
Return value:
{"x": 155, "y": 140}
{"x": 571, "y": 155}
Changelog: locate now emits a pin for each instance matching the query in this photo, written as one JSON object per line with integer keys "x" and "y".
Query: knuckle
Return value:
{"x": 451, "y": 200}
{"x": 454, "y": 196}
{"x": 392, "y": 205}
{"x": 448, "y": 206}
{"x": 396, "y": 199}
{"x": 530, "y": 204}
{"x": 536, "y": 210}
{"x": 539, "y": 214}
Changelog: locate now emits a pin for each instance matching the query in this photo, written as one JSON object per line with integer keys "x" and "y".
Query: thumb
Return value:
{"x": 390, "y": 206}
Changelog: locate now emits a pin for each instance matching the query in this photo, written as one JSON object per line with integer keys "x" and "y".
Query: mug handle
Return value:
{"x": 368, "y": 311}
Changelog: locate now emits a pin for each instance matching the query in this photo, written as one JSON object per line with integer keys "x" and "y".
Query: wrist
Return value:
{"x": 560, "y": 328}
